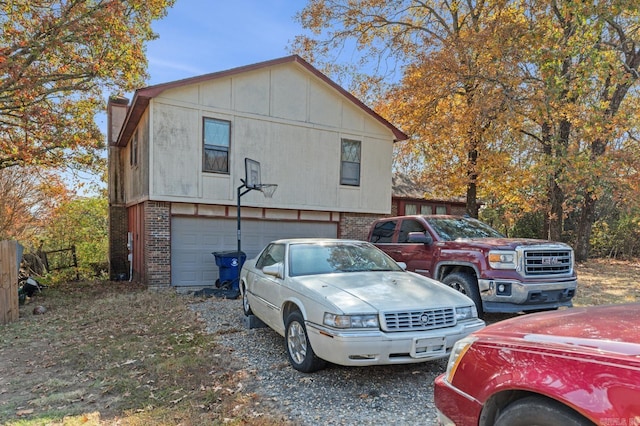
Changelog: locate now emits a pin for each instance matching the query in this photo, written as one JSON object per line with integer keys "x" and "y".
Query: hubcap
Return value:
{"x": 297, "y": 342}
{"x": 245, "y": 300}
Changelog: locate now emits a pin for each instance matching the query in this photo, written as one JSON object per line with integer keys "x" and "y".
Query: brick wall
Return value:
{"x": 356, "y": 225}
{"x": 157, "y": 250}
{"x": 118, "y": 264}
{"x": 459, "y": 210}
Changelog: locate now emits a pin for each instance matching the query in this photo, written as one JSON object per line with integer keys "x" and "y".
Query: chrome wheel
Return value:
{"x": 299, "y": 351}
{"x": 246, "y": 307}
{"x": 297, "y": 342}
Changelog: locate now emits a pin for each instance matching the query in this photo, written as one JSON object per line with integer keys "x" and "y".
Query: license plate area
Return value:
{"x": 430, "y": 347}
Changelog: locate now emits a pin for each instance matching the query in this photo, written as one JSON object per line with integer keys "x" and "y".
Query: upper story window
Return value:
{"x": 216, "y": 136}
{"x": 133, "y": 150}
{"x": 350, "y": 163}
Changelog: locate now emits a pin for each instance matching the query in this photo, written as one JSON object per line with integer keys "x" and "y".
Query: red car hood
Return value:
{"x": 610, "y": 328}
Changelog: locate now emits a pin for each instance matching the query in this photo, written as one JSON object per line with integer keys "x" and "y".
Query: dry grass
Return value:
{"x": 603, "y": 282}
{"x": 113, "y": 353}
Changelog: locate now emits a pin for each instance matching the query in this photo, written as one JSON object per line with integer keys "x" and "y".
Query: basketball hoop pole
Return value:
{"x": 249, "y": 183}
{"x": 240, "y": 194}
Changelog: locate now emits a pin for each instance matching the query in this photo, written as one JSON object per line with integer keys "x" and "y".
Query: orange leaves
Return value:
{"x": 57, "y": 59}
{"x": 540, "y": 97}
{"x": 27, "y": 198}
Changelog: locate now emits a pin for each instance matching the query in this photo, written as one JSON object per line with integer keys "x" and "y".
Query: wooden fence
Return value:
{"x": 9, "y": 309}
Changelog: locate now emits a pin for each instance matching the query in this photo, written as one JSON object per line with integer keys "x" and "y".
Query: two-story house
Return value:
{"x": 177, "y": 156}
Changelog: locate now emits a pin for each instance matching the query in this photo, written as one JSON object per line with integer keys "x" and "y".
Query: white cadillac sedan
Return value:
{"x": 348, "y": 303}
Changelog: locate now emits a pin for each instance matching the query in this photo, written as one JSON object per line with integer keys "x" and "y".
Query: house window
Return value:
{"x": 350, "y": 163}
{"x": 216, "y": 135}
{"x": 426, "y": 209}
{"x": 133, "y": 153}
{"x": 411, "y": 208}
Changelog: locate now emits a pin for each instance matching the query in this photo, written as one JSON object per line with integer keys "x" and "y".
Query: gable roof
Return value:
{"x": 142, "y": 96}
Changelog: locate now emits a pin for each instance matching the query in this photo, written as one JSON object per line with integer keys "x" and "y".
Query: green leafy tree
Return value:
{"x": 82, "y": 223}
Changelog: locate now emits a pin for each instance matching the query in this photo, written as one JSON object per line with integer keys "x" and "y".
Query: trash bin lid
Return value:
{"x": 229, "y": 253}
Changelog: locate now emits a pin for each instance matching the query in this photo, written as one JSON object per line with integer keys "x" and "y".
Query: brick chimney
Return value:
{"x": 117, "y": 108}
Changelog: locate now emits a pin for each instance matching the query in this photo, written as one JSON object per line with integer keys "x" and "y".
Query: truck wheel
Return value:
{"x": 535, "y": 410}
{"x": 467, "y": 285}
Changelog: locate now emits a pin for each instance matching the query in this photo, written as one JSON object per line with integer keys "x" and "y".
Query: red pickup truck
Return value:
{"x": 500, "y": 274}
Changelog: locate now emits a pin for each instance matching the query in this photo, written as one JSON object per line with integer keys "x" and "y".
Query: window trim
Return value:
{"x": 133, "y": 150}
{"x": 343, "y": 162}
{"x": 420, "y": 205}
{"x": 213, "y": 147}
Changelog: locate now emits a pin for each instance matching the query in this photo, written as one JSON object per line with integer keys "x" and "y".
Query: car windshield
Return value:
{"x": 453, "y": 228}
{"x": 320, "y": 258}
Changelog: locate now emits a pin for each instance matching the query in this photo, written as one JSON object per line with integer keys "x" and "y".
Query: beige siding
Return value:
{"x": 216, "y": 94}
{"x": 137, "y": 175}
{"x": 176, "y": 158}
{"x": 289, "y": 98}
{"x": 287, "y": 119}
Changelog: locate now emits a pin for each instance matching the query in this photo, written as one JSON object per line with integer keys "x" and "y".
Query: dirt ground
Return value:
{"x": 132, "y": 357}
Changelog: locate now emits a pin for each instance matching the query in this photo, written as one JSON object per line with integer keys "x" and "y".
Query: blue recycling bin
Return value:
{"x": 229, "y": 264}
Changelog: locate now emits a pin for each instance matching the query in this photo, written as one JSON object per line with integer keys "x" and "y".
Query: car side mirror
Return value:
{"x": 275, "y": 270}
{"x": 402, "y": 265}
{"x": 420, "y": 237}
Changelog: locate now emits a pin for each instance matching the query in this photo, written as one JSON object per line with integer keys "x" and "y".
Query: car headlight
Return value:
{"x": 466, "y": 312}
{"x": 502, "y": 259}
{"x": 350, "y": 321}
{"x": 457, "y": 352}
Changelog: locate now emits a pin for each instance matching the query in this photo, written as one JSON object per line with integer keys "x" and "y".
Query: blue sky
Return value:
{"x": 203, "y": 36}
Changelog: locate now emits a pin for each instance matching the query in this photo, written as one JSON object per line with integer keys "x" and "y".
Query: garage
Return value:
{"x": 194, "y": 239}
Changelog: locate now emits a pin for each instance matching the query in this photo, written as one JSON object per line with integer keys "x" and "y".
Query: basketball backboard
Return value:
{"x": 252, "y": 174}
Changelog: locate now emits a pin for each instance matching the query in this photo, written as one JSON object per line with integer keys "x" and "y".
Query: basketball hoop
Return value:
{"x": 252, "y": 181}
{"x": 268, "y": 189}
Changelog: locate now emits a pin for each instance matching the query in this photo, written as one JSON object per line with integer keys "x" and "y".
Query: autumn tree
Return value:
{"x": 528, "y": 105}
{"x": 581, "y": 63}
{"x": 456, "y": 104}
{"x": 57, "y": 58}
{"x": 451, "y": 96}
{"x": 28, "y": 200}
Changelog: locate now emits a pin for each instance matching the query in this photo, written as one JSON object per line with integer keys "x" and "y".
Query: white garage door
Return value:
{"x": 194, "y": 240}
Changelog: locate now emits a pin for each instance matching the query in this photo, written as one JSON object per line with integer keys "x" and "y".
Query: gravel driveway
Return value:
{"x": 400, "y": 395}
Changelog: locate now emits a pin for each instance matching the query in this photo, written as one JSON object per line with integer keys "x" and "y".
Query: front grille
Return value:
{"x": 547, "y": 262}
{"x": 419, "y": 320}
